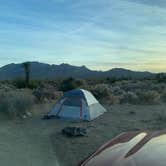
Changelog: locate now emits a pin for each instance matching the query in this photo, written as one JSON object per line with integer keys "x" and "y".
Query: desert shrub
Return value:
{"x": 15, "y": 103}
{"x": 111, "y": 100}
{"x": 159, "y": 87}
{"x": 148, "y": 97}
{"x": 111, "y": 80}
{"x": 132, "y": 86}
{"x": 69, "y": 84}
{"x": 129, "y": 91}
{"x": 46, "y": 93}
{"x": 19, "y": 83}
{"x": 117, "y": 91}
{"x": 163, "y": 96}
{"x": 129, "y": 97}
{"x": 7, "y": 86}
{"x": 161, "y": 77}
{"x": 104, "y": 93}
{"x": 33, "y": 84}
{"x": 92, "y": 82}
{"x": 101, "y": 90}
{"x": 58, "y": 95}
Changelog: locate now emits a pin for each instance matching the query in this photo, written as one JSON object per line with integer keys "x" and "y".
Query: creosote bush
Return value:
{"x": 48, "y": 93}
{"x": 163, "y": 96}
{"x": 149, "y": 97}
{"x": 69, "y": 84}
{"x": 130, "y": 97}
{"x": 20, "y": 83}
{"x": 161, "y": 77}
{"x": 15, "y": 103}
{"x": 101, "y": 90}
{"x": 117, "y": 92}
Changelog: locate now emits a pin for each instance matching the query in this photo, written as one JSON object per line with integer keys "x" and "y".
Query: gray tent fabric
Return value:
{"x": 77, "y": 104}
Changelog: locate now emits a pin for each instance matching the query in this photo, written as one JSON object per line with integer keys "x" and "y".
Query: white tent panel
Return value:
{"x": 96, "y": 110}
{"x": 89, "y": 97}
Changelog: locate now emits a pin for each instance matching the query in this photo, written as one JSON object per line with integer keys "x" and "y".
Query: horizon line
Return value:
{"x": 1, "y": 66}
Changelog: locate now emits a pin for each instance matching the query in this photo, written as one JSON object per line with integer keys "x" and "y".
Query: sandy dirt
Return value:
{"x": 36, "y": 142}
{"x": 26, "y": 143}
{"x": 118, "y": 119}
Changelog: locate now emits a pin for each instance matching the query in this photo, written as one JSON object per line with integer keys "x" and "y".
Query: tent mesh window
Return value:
{"x": 72, "y": 101}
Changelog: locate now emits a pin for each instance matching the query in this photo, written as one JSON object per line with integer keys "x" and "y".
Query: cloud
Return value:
{"x": 119, "y": 32}
{"x": 153, "y": 3}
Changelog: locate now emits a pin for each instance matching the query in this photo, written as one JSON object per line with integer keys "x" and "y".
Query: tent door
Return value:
{"x": 85, "y": 112}
{"x": 81, "y": 109}
{"x": 60, "y": 106}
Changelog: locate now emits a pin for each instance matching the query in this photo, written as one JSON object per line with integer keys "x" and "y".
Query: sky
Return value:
{"x": 100, "y": 34}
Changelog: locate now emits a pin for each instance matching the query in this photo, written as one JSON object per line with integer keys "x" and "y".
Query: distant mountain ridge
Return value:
{"x": 47, "y": 71}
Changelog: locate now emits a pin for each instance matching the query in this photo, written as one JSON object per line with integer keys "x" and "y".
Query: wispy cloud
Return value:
{"x": 153, "y": 3}
{"x": 120, "y": 33}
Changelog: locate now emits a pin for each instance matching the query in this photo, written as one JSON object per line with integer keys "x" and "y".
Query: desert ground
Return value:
{"x": 33, "y": 141}
{"x": 26, "y": 143}
{"x": 26, "y": 139}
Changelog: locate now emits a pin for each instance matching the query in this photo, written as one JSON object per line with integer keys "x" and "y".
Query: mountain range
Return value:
{"x": 47, "y": 71}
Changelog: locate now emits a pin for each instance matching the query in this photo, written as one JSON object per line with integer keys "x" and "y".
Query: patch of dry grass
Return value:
{"x": 163, "y": 96}
{"x": 101, "y": 90}
{"x": 16, "y": 103}
{"x": 129, "y": 91}
{"x": 148, "y": 97}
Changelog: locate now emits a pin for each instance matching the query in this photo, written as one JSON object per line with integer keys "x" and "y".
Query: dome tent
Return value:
{"x": 77, "y": 104}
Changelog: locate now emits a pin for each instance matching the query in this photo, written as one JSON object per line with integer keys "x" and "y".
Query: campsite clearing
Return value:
{"x": 118, "y": 119}
{"x": 26, "y": 143}
{"x": 36, "y": 142}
